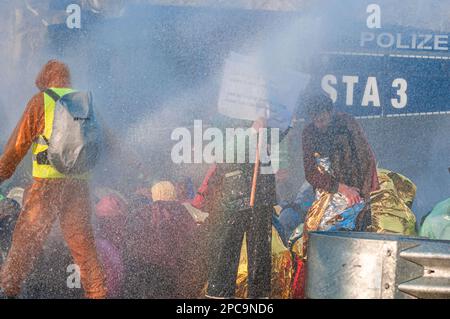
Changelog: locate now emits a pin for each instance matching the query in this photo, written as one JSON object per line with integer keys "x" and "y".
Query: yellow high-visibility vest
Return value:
{"x": 40, "y": 145}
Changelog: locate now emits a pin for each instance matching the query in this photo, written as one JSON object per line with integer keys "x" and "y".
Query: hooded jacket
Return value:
{"x": 32, "y": 123}
{"x": 351, "y": 156}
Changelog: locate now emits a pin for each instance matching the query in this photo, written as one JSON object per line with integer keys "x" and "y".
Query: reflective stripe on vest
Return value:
{"x": 40, "y": 145}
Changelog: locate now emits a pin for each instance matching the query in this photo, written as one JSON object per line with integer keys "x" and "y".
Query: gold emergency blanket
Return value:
{"x": 282, "y": 270}
{"x": 313, "y": 220}
{"x": 316, "y": 212}
{"x": 391, "y": 204}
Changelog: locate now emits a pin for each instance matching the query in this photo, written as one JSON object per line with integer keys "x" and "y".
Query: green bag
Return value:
{"x": 437, "y": 224}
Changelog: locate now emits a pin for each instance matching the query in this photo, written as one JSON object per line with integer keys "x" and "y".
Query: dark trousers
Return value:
{"x": 226, "y": 244}
{"x": 364, "y": 220}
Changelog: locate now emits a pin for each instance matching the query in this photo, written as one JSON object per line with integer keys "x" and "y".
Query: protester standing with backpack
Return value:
{"x": 61, "y": 163}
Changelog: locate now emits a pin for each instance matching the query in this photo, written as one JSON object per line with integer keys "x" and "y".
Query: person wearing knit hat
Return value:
{"x": 164, "y": 248}
{"x": 164, "y": 191}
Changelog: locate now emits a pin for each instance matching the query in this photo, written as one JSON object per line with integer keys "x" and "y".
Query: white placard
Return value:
{"x": 251, "y": 90}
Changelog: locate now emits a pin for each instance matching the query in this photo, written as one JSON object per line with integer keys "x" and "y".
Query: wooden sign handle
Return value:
{"x": 255, "y": 173}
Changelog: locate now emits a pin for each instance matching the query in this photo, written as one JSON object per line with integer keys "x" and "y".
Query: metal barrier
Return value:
{"x": 344, "y": 265}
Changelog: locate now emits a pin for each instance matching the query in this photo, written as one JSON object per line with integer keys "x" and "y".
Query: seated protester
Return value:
{"x": 305, "y": 197}
{"x": 138, "y": 205}
{"x": 103, "y": 192}
{"x": 436, "y": 224}
{"x": 337, "y": 157}
{"x": 142, "y": 196}
{"x": 163, "y": 247}
{"x": 16, "y": 194}
{"x": 136, "y": 284}
{"x": 185, "y": 190}
{"x": 423, "y": 219}
{"x": 111, "y": 213}
{"x": 294, "y": 214}
{"x": 9, "y": 212}
{"x": 290, "y": 218}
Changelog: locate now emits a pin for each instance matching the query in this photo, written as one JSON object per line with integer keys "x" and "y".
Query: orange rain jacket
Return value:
{"x": 47, "y": 200}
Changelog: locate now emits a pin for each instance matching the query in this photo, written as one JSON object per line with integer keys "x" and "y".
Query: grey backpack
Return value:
{"x": 76, "y": 140}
